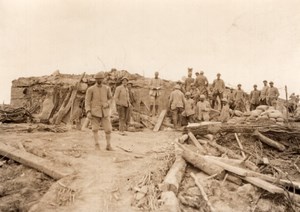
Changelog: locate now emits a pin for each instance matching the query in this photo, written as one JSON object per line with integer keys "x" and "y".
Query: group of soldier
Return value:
{"x": 98, "y": 102}
{"x": 192, "y": 99}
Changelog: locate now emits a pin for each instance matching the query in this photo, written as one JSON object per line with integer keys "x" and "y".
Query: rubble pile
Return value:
{"x": 246, "y": 168}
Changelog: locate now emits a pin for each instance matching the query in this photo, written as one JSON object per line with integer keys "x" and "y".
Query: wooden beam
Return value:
{"x": 33, "y": 161}
{"x": 227, "y": 167}
{"x": 202, "y": 163}
{"x": 196, "y": 142}
{"x": 264, "y": 185}
{"x": 269, "y": 141}
{"x": 174, "y": 176}
{"x": 160, "y": 120}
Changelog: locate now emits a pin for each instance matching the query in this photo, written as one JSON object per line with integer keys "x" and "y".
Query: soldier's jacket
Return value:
{"x": 176, "y": 99}
{"x": 273, "y": 92}
{"x": 154, "y": 84}
{"x": 189, "y": 107}
{"x": 254, "y": 97}
{"x": 97, "y": 100}
{"x": 218, "y": 86}
{"x": 187, "y": 83}
{"x": 239, "y": 95}
{"x": 264, "y": 92}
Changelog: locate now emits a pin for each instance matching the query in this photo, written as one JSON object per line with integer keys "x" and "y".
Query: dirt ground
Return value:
{"x": 108, "y": 181}
{"x": 102, "y": 180}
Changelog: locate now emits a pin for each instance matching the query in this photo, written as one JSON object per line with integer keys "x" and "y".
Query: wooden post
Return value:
{"x": 160, "y": 120}
{"x": 287, "y": 103}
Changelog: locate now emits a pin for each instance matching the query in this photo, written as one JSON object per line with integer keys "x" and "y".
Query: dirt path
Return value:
{"x": 101, "y": 179}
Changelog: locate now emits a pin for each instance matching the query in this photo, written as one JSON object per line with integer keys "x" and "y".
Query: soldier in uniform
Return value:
{"x": 155, "y": 91}
{"x": 123, "y": 103}
{"x": 254, "y": 98}
{"x": 97, "y": 105}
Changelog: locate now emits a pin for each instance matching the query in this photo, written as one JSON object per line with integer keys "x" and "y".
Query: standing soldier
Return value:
{"x": 176, "y": 104}
{"x": 201, "y": 83}
{"x": 218, "y": 87}
{"x": 272, "y": 94}
{"x": 263, "y": 93}
{"x": 202, "y": 109}
{"x": 97, "y": 105}
{"x": 239, "y": 97}
{"x": 155, "y": 87}
{"x": 189, "y": 80}
{"x": 254, "y": 98}
{"x": 189, "y": 107}
{"x": 132, "y": 101}
{"x": 123, "y": 103}
{"x": 194, "y": 93}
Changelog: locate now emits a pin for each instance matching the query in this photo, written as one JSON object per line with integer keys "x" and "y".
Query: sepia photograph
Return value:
{"x": 149, "y": 105}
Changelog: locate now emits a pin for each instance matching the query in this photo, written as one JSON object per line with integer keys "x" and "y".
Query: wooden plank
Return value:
{"x": 227, "y": 167}
{"x": 264, "y": 185}
{"x": 33, "y": 161}
{"x": 196, "y": 142}
{"x": 160, "y": 120}
{"x": 240, "y": 145}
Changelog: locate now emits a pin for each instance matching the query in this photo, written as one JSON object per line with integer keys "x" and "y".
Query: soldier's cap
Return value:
{"x": 239, "y": 85}
{"x": 177, "y": 86}
{"x": 188, "y": 93}
{"x": 197, "y": 73}
{"x": 99, "y": 75}
{"x": 202, "y": 96}
{"x": 271, "y": 82}
{"x": 218, "y": 74}
{"x": 265, "y": 81}
{"x": 224, "y": 100}
{"x": 255, "y": 85}
{"x": 156, "y": 72}
{"x": 130, "y": 82}
{"x": 179, "y": 82}
{"x": 190, "y": 69}
{"x": 231, "y": 88}
{"x": 123, "y": 78}
{"x": 201, "y": 72}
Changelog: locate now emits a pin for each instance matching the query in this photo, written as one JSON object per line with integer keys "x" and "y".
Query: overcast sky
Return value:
{"x": 246, "y": 41}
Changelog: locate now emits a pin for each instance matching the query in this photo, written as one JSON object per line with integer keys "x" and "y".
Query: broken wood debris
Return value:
{"x": 33, "y": 161}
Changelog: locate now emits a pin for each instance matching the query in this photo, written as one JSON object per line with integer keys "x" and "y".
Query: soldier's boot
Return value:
{"x": 108, "y": 145}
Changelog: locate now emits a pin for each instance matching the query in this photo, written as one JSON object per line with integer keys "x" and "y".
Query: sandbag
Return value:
{"x": 238, "y": 113}
{"x": 256, "y": 113}
{"x": 262, "y": 107}
{"x": 280, "y": 119}
{"x": 275, "y": 114}
{"x": 273, "y": 119}
{"x": 247, "y": 113}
